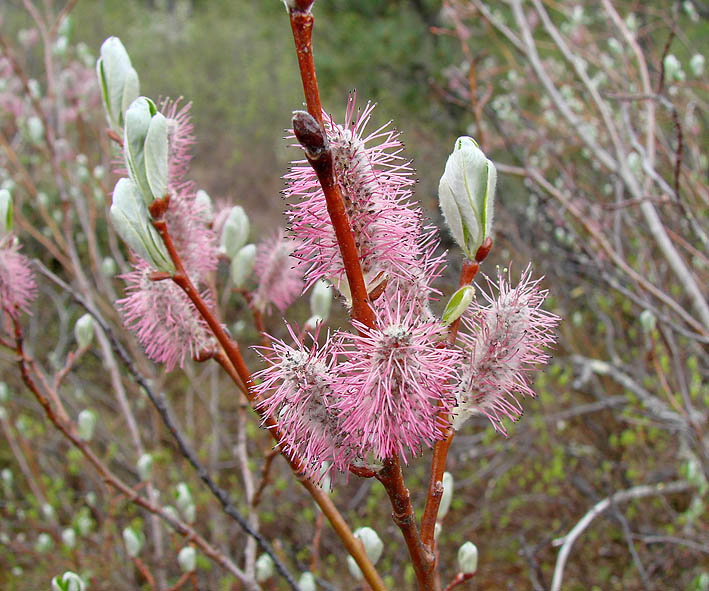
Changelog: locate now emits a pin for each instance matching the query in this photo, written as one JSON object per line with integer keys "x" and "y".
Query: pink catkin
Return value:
{"x": 163, "y": 318}
{"x": 375, "y": 181}
{"x": 393, "y": 380}
{"x": 17, "y": 286}
{"x": 301, "y": 400}
{"x": 280, "y": 273}
{"x": 504, "y": 342}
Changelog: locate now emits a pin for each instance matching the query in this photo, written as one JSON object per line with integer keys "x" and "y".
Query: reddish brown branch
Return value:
{"x": 265, "y": 470}
{"x": 301, "y": 22}
{"x": 458, "y": 580}
{"x": 145, "y": 573}
{"x": 423, "y": 561}
{"x": 441, "y": 447}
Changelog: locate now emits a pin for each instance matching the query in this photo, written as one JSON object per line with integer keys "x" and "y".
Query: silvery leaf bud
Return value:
{"x": 307, "y": 582}
{"x": 447, "y": 482}
{"x": 145, "y": 146}
{"x": 243, "y": 264}
{"x": 144, "y": 466}
{"x": 466, "y": 195}
{"x": 673, "y": 68}
{"x": 187, "y": 559}
{"x": 372, "y": 543}
{"x": 85, "y": 424}
{"x": 108, "y": 267}
{"x": 43, "y": 543}
{"x": 133, "y": 542}
{"x": 203, "y": 203}
{"x": 696, "y": 64}
{"x": 171, "y": 511}
{"x": 320, "y": 299}
{"x": 189, "y": 512}
{"x": 35, "y": 129}
{"x": 458, "y": 304}
{"x": 355, "y": 571}
{"x": 131, "y": 220}
{"x": 85, "y": 524}
{"x": 84, "y": 331}
{"x": 5, "y": 212}
{"x": 69, "y": 537}
{"x": 647, "y": 321}
{"x": 235, "y": 232}
{"x": 468, "y": 558}
{"x": 118, "y": 81}
{"x": 264, "y": 568}
{"x": 184, "y": 496}
{"x": 69, "y": 581}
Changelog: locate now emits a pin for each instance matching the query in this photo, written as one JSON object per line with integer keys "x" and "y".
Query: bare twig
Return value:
{"x": 636, "y": 492}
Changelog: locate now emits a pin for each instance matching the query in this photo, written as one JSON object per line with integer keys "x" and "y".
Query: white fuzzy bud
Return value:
{"x": 447, "y": 496}
{"x": 373, "y": 547}
{"x": 235, "y": 231}
{"x": 171, "y": 511}
{"x": 85, "y": 424}
{"x": 673, "y": 68}
{"x": 108, "y": 267}
{"x": 133, "y": 542}
{"x": 84, "y": 331}
{"x": 468, "y": 558}
{"x": 242, "y": 265}
{"x": 85, "y": 524}
{"x": 184, "y": 496}
{"x": 131, "y": 220}
{"x": 187, "y": 559}
{"x": 265, "y": 568}
{"x": 458, "y": 304}
{"x": 321, "y": 299}
{"x": 307, "y": 582}
{"x": 144, "y": 466}
{"x": 647, "y": 321}
{"x": 466, "y": 194}
{"x": 43, "y": 543}
{"x": 696, "y": 65}
{"x": 35, "y": 129}
{"x": 203, "y": 203}
{"x": 69, "y": 537}
{"x": 5, "y": 212}
{"x": 118, "y": 81}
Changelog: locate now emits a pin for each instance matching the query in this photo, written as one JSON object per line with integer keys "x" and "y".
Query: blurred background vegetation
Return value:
{"x": 234, "y": 60}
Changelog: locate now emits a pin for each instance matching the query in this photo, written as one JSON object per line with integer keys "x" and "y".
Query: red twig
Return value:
{"x": 301, "y": 22}
{"x": 441, "y": 447}
{"x": 458, "y": 580}
{"x": 423, "y": 561}
{"x": 265, "y": 470}
{"x": 144, "y": 572}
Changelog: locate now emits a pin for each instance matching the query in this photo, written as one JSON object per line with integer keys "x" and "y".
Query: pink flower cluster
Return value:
{"x": 385, "y": 390}
{"x": 17, "y": 286}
